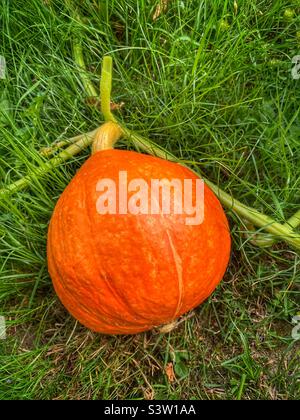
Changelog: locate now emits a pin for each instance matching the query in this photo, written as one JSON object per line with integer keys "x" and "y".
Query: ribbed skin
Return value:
{"x": 123, "y": 274}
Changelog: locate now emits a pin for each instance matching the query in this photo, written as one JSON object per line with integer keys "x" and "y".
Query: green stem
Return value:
{"x": 79, "y": 143}
{"x": 87, "y": 84}
{"x": 78, "y": 54}
{"x": 264, "y": 241}
{"x": 294, "y": 221}
{"x": 105, "y": 88}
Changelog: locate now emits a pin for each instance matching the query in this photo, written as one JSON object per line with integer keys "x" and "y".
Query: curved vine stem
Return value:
{"x": 283, "y": 232}
{"x": 263, "y": 241}
{"x": 80, "y": 143}
{"x": 87, "y": 84}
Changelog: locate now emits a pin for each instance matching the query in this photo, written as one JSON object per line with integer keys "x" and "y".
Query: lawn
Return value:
{"x": 211, "y": 83}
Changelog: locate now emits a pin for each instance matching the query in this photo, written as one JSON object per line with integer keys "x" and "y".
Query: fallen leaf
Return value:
{"x": 160, "y": 8}
{"x": 148, "y": 394}
{"x": 169, "y": 369}
{"x": 114, "y": 106}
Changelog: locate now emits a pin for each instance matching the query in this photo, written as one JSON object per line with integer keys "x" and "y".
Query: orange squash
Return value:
{"x": 126, "y": 273}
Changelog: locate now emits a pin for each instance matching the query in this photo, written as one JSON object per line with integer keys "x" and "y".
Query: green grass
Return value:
{"x": 212, "y": 86}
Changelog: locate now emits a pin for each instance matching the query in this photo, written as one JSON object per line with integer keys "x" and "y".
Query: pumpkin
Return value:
{"x": 128, "y": 273}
